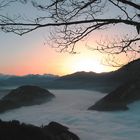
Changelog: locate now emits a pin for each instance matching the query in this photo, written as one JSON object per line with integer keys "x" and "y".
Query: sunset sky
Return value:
{"x": 30, "y": 54}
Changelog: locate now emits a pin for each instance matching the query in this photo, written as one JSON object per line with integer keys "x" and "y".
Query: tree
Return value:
{"x": 73, "y": 20}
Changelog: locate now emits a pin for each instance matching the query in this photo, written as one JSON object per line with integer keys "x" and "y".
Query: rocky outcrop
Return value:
{"x": 20, "y": 131}
{"x": 58, "y": 131}
{"x": 119, "y": 98}
{"x": 24, "y": 96}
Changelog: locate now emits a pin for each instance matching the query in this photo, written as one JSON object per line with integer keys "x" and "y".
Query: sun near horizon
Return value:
{"x": 45, "y": 60}
{"x": 28, "y": 55}
{"x": 88, "y": 65}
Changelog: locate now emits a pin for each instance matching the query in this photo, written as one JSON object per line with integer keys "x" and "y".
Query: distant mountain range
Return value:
{"x": 4, "y": 76}
{"x": 104, "y": 82}
{"x": 99, "y": 81}
{"x": 12, "y": 80}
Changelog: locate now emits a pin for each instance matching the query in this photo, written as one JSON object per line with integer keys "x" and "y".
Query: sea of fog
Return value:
{"x": 70, "y": 108}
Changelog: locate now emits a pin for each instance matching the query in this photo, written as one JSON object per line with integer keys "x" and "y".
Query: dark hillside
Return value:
{"x": 99, "y": 81}
{"x": 24, "y": 96}
{"x": 14, "y": 130}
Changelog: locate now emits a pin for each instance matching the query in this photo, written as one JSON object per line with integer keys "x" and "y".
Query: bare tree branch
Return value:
{"x": 74, "y": 20}
{"x": 130, "y": 3}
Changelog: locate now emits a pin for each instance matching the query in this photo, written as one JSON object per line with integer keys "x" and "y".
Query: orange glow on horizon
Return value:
{"x": 44, "y": 60}
{"x": 86, "y": 60}
{"x": 88, "y": 65}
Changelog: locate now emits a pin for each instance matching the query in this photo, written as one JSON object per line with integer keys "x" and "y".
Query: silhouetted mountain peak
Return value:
{"x": 24, "y": 96}
{"x": 131, "y": 66}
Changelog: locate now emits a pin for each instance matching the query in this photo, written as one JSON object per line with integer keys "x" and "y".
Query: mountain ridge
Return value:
{"x": 104, "y": 82}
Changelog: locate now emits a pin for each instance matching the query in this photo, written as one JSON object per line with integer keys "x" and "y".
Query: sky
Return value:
{"x": 30, "y": 54}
